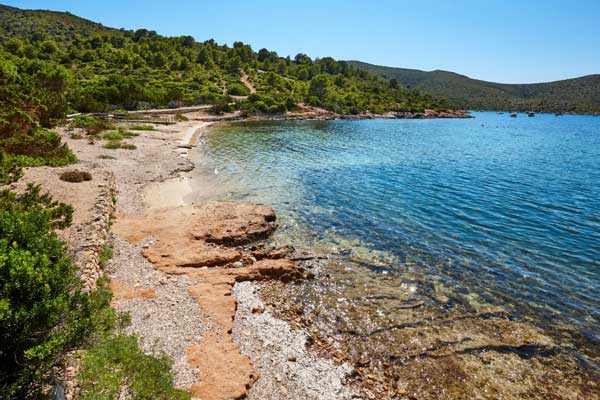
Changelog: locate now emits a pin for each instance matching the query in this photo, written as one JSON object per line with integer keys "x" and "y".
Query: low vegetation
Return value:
{"x": 146, "y": 376}
{"x": 45, "y": 314}
{"x": 75, "y": 176}
{"x": 105, "y": 255}
{"x": 117, "y": 144}
{"x": 119, "y": 134}
{"x": 143, "y": 127}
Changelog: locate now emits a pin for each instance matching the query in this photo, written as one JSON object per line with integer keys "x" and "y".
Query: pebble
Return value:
{"x": 168, "y": 323}
{"x": 275, "y": 348}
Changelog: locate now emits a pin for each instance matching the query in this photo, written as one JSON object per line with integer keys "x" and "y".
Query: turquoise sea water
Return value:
{"x": 508, "y": 208}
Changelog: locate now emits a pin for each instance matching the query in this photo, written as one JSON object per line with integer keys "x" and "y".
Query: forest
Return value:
{"x": 105, "y": 69}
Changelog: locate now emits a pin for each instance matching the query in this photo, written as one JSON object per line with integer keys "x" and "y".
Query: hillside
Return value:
{"x": 108, "y": 68}
{"x": 579, "y": 95}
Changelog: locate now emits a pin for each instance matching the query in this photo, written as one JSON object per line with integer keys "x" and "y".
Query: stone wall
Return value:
{"x": 88, "y": 239}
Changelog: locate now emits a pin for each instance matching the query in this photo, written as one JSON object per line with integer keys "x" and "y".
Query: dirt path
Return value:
{"x": 246, "y": 81}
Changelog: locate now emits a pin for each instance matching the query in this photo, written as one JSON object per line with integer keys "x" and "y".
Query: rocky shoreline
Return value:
{"x": 202, "y": 284}
{"x": 186, "y": 273}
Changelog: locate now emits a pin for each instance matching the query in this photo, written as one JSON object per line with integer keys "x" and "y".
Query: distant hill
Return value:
{"x": 580, "y": 95}
{"x": 59, "y": 25}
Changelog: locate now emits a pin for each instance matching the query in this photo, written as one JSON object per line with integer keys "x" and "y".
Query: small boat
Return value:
{"x": 513, "y": 115}
{"x": 531, "y": 114}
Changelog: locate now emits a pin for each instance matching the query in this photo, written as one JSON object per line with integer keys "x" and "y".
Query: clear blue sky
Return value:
{"x": 503, "y": 41}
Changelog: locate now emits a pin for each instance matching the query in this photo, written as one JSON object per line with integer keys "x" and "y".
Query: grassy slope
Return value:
{"x": 574, "y": 95}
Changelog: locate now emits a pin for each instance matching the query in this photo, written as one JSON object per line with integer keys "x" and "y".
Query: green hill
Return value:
{"x": 580, "y": 95}
{"x": 108, "y": 68}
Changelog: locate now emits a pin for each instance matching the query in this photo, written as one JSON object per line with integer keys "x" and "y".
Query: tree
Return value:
{"x": 263, "y": 54}
{"x": 302, "y": 59}
{"x": 233, "y": 64}
{"x": 187, "y": 41}
{"x": 320, "y": 87}
{"x": 204, "y": 56}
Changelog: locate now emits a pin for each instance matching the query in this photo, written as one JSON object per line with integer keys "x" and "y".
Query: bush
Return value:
{"x": 91, "y": 125}
{"x": 261, "y": 106}
{"x": 75, "y": 176}
{"x": 40, "y": 147}
{"x": 147, "y": 377}
{"x": 9, "y": 171}
{"x": 128, "y": 146}
{"x": 112, "y": 144}
{"x": 105, "y": 255}
{"x": 119, "y": 134}
{"x": 237, "y": 89}
{"x": 181, "y": 118}
{"x": 117, "y": 144}
{"x": 43, "y": 313}
{"x": 148, "y": 127}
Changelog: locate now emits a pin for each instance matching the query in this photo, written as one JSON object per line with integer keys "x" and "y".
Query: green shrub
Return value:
{"x": 237, "y": 89}
{"x": 146, "y": 127}
{"x": 105, "y": 254}
{"x": 40, "y": 147}
{"x": 112, "y": 144}
{"x": 91, "y": 125}
{"x": 75, "y": 176}
{"x": 261, "y": 106}
{"x": 43, "y": 313}
{"x": 9, "y": 171}
{"x": 117, "y": 359}
{"x": 117, "y": 144}
{"x": 181, "y": 118}
{"x": 128, "y": 146}
{"x": 119, "y": 134}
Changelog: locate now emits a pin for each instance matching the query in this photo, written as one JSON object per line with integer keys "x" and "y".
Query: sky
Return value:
{"x": 502, "y": 41}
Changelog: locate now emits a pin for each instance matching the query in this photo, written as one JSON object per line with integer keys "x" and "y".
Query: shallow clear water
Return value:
{"x": 508, "y": 208}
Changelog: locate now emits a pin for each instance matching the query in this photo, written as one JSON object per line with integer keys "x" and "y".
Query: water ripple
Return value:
{"x": 510, "y": 212}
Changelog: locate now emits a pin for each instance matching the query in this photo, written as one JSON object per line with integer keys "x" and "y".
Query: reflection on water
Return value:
{"x": 451, "y": 237}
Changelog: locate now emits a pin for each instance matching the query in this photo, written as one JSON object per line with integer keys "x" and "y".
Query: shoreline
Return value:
{"x": 521, "y": 340}
{"x": 306, "y": 375}
{"x": 202, "y": 286}
{"x": 183, "y": 312}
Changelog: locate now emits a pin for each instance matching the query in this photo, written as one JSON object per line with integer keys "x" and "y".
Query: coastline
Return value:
{"x": 203, "y": 286}
{"x": 182, "y": 311}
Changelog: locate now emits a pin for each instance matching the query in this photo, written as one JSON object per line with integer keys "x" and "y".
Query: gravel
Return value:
{"x": 287, "y": 369}
{"x": 169, "y": 323}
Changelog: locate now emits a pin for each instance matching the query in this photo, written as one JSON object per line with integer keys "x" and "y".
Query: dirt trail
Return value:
{"x": 246, "y": 81}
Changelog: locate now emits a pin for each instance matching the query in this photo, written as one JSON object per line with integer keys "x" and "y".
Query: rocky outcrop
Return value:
{"x": 206, "y": 243}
